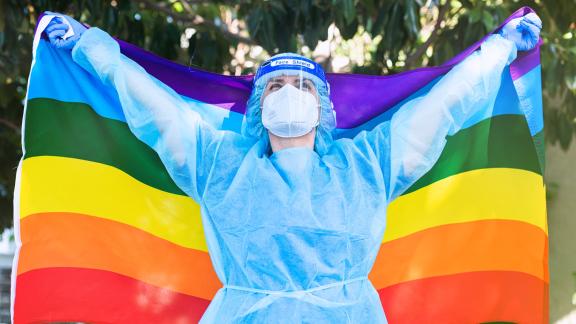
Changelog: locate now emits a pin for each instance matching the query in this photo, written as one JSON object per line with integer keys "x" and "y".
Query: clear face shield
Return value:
{"x": 290, "y": 102}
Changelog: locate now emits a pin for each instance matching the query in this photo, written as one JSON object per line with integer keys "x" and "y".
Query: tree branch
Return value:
{"x": 10, "y": 125}
{"x": 195, "y": 20}
{"x": 410, "y": 60}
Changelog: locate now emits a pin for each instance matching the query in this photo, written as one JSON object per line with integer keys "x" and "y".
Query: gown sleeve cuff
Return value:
{"x": 98, "y": 53}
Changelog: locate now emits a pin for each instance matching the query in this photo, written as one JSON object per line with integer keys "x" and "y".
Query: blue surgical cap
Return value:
{"x": 291, "y": 64}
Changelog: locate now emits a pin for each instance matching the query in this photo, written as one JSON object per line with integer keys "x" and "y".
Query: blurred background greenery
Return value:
{"x": 359, "y": 36}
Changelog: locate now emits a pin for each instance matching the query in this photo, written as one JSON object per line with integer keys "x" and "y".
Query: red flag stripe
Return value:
{"x": 97, "y": 296}
{"x": 474, "y": 297}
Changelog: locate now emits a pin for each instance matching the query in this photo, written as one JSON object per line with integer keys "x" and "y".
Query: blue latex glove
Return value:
{"x": 524, "y": 31}
{"x": 58, "y": 27}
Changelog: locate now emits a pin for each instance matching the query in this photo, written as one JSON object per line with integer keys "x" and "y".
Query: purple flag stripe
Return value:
{"x": 357, "y": 98}
{"x": 229, "y": 92}
{"x": 525, "y": 62}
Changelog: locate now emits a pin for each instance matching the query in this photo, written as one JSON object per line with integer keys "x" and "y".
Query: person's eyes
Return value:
{"x": 274, "y": 86}
{"x": 304, "y": 85}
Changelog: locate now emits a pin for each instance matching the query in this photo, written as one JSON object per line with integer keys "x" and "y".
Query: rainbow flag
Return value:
{"x": 105, "y": 236}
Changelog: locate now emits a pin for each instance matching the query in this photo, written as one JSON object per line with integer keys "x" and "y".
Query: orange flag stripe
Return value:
{"x": 76, "y": 240}
{"x": 487, "y": 245}
{"x": 85, "y": 241}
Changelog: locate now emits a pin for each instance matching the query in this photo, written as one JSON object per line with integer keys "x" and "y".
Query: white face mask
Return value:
{"x": 290, "y": 112}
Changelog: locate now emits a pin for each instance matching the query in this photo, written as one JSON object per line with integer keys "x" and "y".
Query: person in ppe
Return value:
{"x": 294, "y": 219}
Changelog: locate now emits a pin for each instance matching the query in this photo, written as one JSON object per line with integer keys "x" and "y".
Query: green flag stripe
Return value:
{"x": 74, "y": 130}
{"x": 502, "y": 141}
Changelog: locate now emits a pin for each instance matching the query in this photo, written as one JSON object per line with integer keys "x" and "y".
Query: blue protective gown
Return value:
{"x": 293, "y": 235}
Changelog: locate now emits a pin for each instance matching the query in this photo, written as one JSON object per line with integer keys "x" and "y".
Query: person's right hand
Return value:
{"x": 523, "y": 31}
{"x": 59, "y": 26}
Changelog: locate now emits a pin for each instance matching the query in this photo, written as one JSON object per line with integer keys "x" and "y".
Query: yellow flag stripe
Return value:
{"x": 483, "y": 194}
{"x": 58, "y": 184}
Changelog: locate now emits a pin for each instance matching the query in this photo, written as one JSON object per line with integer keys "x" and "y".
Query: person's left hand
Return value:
{"x": 523, "y": 31}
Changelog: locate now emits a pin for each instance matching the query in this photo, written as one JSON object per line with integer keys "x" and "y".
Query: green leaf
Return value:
{"x": 177, "y": 6}
{"x": 411, "y": 20}
{"x": 349, "y": 11}
{"x": 488, "y": 20}
{"x": 475, "y": 15}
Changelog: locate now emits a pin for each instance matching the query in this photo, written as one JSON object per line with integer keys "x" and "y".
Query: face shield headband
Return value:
{"x": 298, "y": 63}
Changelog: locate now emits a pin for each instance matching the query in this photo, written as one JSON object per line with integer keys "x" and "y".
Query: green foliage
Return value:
{"x": 219, "y": 34}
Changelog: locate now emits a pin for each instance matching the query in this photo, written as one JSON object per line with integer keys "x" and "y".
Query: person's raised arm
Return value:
{"x": 155, "y": 113}
{"x": 411, "y": 142}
